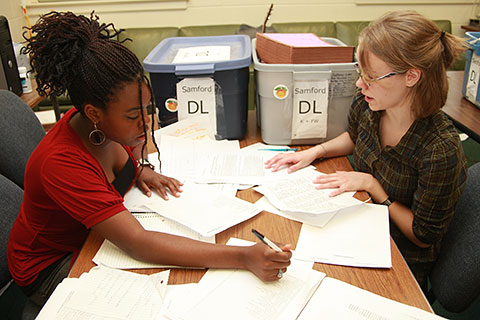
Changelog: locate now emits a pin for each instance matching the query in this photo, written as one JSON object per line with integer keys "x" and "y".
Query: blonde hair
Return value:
{"x": 407, "y": 40}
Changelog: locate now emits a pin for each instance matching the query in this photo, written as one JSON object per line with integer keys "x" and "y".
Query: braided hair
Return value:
{"x": 78, "y": 55}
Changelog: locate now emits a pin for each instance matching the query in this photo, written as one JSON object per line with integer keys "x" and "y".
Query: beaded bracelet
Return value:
{"x": 145, "y": 163}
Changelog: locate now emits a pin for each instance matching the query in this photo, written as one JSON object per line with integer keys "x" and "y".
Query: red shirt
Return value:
{"x": 66, "y": 193}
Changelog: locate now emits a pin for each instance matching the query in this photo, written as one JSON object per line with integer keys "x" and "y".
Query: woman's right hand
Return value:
{"x": 297, "y": 160}
{"x": 265, "y": 262}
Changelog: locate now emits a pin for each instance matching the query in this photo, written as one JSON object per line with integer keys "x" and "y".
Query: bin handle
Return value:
{"x": 312, "y": 75}
{"x": 194, "y": 69}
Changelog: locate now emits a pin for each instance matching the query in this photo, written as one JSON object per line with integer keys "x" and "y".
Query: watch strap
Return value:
{"x": 387, "y": 202}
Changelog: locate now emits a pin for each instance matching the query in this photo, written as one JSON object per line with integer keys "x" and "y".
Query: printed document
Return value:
{"x": 198, "y": 208}
{"x": 194, "y": 128}
{"x": 105, "y": 293}
{"x": 335, "y": 299}
{"x": 297, "y": 196}
{"x": 239, "y": 294}
{"x": 210, "y": 161}
{"x": 112, "y": 256}
{"x": 318, "y": 220}
{"x": 357, "y": 236}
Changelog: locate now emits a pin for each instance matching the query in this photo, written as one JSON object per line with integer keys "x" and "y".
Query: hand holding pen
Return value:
{"x": 273, "y": 246}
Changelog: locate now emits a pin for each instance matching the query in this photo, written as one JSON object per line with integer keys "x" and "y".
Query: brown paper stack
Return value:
{"x": 300, "y": 48}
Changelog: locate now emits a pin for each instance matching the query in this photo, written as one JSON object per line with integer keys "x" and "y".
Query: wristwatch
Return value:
{"x": 387, "y": 202}
{"x": 145, "y": 163}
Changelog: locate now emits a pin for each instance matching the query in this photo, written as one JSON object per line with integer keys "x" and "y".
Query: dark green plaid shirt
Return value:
{"x": 425, "y": 171}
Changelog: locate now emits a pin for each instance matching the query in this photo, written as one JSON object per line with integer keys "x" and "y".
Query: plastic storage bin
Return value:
{"x": 230, "y": 79}
{"x": 275, "y": 111}
{"x": 471, "y": 80}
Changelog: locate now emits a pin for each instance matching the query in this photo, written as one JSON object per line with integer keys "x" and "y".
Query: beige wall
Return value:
{"x": 144, "y": 13}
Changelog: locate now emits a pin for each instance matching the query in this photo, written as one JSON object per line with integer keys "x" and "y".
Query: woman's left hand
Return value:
{"x": 343, "y": 181}
{"x": 149, "y": 179}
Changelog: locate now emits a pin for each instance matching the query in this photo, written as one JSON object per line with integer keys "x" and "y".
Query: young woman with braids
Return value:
{"x": 76, "y": 178}
{"x": 406, "y": 152}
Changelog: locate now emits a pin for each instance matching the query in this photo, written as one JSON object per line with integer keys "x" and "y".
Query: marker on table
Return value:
{"x": 279, "y": 149}
{"x": 267, "y": 241}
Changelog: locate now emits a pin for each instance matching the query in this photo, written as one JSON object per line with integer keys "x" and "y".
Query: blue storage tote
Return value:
{"x": 471, "y": 80}
{"x": 230, "y": 80}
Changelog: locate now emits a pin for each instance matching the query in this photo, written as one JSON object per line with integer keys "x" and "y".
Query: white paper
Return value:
{"x": 210, "y": 162}
{"x": 335, "y": 299}
{"x": 310, "y": 109}
{"x": 198, "y": 208}
{"x": 297, "y": 194}
{"x": 319, "y": 220}
{"x": 195, "y": 128}
{"x": 239, "y": 294}
{"x": 111, "y": 256}
{"x": 105, "y": 293}
{"x": 196, "y": 96}
{"x": 357, "y": 236}
{"x": 202, "y": 54}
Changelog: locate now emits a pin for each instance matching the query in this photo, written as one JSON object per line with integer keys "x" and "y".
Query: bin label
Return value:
{"x": 171, "y": 104}
{"x": 196, "y": 96}
{"x": 473, "y": 79}
{"x": 342, "y": 84}
{"x": 310, "y": 108}
{"x": 280, "y": 91}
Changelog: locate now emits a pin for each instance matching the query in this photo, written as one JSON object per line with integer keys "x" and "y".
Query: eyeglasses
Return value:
{"x": 368, "y": 81}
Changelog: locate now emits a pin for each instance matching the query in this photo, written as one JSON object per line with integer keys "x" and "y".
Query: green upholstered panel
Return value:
{"x": 321, "y": 29}
{"x": 444, "y": 25}
{"x": 348, "y": 31}
{"x": 62, "y": 99}
{"x": 204, "y": 31}
{"x": 459, "y": 64}
{"x": 145, "y": 39}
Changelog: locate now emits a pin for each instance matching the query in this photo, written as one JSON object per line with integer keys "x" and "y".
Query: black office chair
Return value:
{"x": 11, "y": 197}
{"x": 20, "y": 133}
{"x": 455, "y": 278}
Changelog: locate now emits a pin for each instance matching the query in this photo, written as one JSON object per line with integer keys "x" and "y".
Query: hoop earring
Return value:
{"x": 96, "y": 136}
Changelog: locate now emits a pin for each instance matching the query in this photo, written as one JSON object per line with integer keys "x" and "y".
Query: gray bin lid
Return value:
{"x": 159, "y": 60}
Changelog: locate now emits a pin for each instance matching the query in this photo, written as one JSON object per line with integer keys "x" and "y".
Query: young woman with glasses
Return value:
{"x": 406, "y": 152}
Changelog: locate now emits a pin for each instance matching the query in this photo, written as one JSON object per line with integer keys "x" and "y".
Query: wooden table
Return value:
{"x": 464, "y": 114}
{"x": 396, "y": 283}
{"x": 470, "y": 28}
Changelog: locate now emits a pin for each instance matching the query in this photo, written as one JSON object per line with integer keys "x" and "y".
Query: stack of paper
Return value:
{"x": 335, "y": 299}
{"x": 111, "y": 256}
{"x": 105, "y": 293}
{"x": 301, "y": 294}
{"x": 200, "y": 208}
{"x": 239, "y": 294}
{"x": 300, "y": 48}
